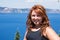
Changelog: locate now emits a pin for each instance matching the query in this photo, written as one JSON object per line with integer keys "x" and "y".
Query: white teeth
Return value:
{"x": 36, "y": 22}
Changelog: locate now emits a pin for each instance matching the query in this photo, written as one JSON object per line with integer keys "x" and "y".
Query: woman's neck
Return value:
{"x": 36, "y": 27}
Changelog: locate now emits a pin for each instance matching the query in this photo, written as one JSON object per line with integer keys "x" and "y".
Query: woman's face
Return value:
{"x": 36, "y": 18}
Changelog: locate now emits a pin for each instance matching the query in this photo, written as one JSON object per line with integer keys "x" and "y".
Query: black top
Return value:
{"x": 35, "y": 35}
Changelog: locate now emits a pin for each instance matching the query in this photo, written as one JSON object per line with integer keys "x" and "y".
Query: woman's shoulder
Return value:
{"x": 51, "y": 34}
{"x": 49, "y": 30}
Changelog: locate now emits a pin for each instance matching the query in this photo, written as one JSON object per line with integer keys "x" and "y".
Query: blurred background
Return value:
{"x": 13, "y": 16}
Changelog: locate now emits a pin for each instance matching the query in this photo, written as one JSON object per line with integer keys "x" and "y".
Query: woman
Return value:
{"x": 38, "y": 27}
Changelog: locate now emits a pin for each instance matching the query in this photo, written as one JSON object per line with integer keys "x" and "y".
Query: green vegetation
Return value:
{"x": 17, "y": 36}
{"x": 59, "y": 35}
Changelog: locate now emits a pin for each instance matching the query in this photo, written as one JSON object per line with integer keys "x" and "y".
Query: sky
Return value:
{"x": 51, "y": 4}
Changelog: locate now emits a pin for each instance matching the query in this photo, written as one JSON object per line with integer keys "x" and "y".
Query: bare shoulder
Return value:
{"x": 52, "y": 35}
{"x": 26, "y": 31}
{"x": 49, "y": 29}
{"x": 25, "y": 34}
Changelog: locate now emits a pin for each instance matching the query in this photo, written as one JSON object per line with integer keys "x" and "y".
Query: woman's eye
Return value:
{"x": 33, "y": 15}
{"x": 38, "y": 15}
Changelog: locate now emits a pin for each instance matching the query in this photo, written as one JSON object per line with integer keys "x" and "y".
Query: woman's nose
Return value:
{"x": 36, "y": 17}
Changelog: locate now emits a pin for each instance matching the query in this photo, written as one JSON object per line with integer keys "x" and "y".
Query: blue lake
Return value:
{"x": 10, "y": 23}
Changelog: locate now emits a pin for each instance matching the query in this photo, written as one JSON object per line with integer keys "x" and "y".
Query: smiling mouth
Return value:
{"x": 37, "y": 22}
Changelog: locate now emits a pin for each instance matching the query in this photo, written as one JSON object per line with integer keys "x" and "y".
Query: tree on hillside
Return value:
{"x": 17, "y": 36}
{"x": 59, "y": 35}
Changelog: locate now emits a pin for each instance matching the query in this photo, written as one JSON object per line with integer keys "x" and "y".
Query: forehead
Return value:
{"x": 34, "y": 12}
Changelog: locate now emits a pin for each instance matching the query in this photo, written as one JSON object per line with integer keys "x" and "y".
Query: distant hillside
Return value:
{"x": 53, "y": 10}
{"x": 26, "y": 10}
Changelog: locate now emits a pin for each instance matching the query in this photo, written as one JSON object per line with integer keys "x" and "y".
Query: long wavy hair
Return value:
{"x": 39, "y": 9}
